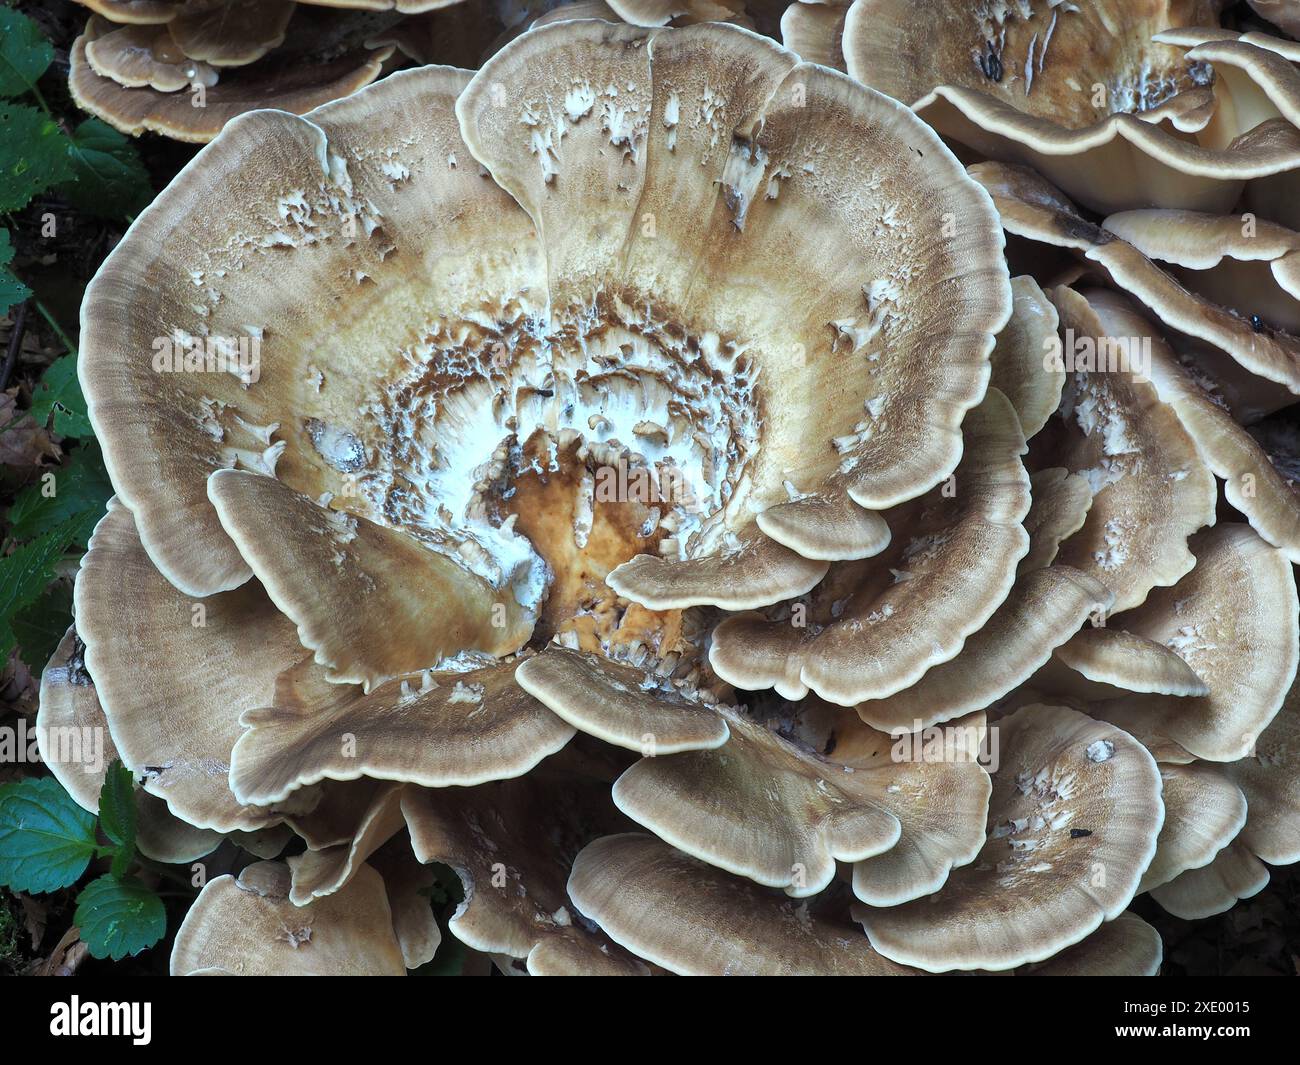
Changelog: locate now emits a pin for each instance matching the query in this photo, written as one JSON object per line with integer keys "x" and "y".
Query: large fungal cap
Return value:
{"x": 468, "y": 413}
{"x": 1033, "y": 208}
{"x": 151, "y": 78}
{"x": 1123, "y": 660}
{"x": 135, "y": 56}
{"x": 75, "y": 743}
{"x": 1233, "y": 619}
{"x": 1269, "y": 776}
{"x": 1080, "y": 92}
{"x": 620, "y": 704}
{"x": 693, "y": 919}
{"x": 327, "y": 217}
{"x": 246, "y": 926}
{"x": 1151, "y": 489}
{"x": 1256, "y": 466}
{"x": 872, "y": 628}
{"x": 1212, "y": 889}
{"x": 359, "y": 591}
{"x": 1072, "y": 826}
{"x": 732, "y": 199}
{"x": 767, "y": 809}
{"x": 1045, "y": 609}
{"x": 1126, "y": 946}
{"x": 815, "y": 31}
{"x": 460, "y": 726}
{"x": 173, "y": 674}
{"x": 1204, "y": 812}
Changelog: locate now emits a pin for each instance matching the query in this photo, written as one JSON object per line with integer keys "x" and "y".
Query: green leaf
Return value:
{"x": 446, "y": 886}
{"x": 33, "y": 154}
{"x": 78, "y": 488}
{"x": 25, "y": 573}
{"x": 109, "y": 180}
{"x": 25, "y": 54}
{"x": 39, "y": 626}
{"x": 117, "y": 815}
{"x": 59, "y": 393}
{"x": 117, "y": 805}
{"x": 55, "y": 515}
{"x": 46, "y": 839}
{"x": 123, "y": 859}
{"x": 12, "y": 290}
{"x": 119, "y": 917}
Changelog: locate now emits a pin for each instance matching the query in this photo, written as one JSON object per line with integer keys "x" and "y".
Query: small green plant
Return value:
{"x": 11, "y": 959}
{"x": 93, "y": 167}
{"x": 97, "y": 171}
{"x": 47, "y": 842}
{"x": 48, "y": 517}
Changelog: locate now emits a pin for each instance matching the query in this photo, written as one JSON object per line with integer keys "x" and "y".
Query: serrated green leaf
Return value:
{"x": 109, "y": 180}
{"x": 119, "y": 917}
{"x": 123, "y": 859}
{"x": 39, "y": 626}
{"x": 25, "y": 54}
{"x": 12, "y": 290}
{"x": 79, "y": 487}
{"x": 33, "y": 154}
{"x": 117, "y": 805}
{"x": 26, "y": 572}
{"x": 46, "y": 839}
{"x": 117, "y": 816}
{"x": 59, "y": 394}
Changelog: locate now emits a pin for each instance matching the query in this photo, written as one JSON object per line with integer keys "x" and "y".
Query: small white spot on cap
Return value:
{"x": 1100, "y": 750}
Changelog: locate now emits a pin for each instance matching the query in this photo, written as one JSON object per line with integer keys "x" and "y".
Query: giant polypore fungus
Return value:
{"x": 505, "y": 465}
{"x": 1072, "y": 825}
{"x": 629, "y": 476}
{"x": 1093, "y": 96}
{"x": 186, "y": 67}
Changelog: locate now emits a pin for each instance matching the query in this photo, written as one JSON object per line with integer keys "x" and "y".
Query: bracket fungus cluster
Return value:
{"x": 184, "y": 68}
{"x": 631, "y": 475}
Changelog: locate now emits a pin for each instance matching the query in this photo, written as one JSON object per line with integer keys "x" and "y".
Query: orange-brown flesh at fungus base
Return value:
{"x": 546, "y": 503}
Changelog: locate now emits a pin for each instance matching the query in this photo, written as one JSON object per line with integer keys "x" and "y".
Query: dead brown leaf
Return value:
{"x": 35, "y": 914}
{"x": 22, "y": 441}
